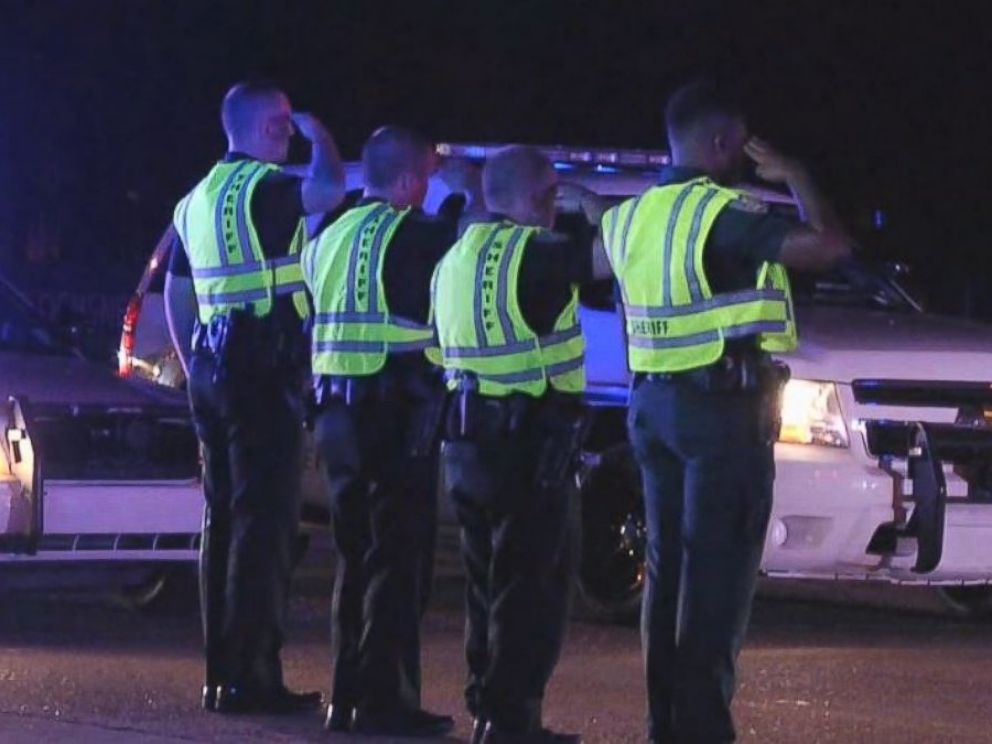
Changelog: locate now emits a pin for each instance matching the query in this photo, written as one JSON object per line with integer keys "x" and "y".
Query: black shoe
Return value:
{"x": 208, "y": 697}
{"x": 235, "y": 699}
{"x": 478, "y": 730}
{"x": 494, "y": 735}
{"x": 413, "y": 723}
{"x": 339, "y": 718}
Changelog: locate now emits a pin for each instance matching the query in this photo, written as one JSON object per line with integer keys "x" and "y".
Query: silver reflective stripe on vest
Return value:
{"x": 560, "y": 337}
{"x": 355, "y": 248}
{"x": 231, "y": 298}
{"x": 374, "y": 347}
{"x": 666, "y": 253}
{"x": 241, "y": 215}
{"x": 350, "y": 317}
{"x": 626, "y": 229}
{"x": 244, "y": 268}
{"x": 754, "y": 329}
{"x": 528, "y": 375}
{"x": 219, "y": 212}
{"x": 643, "y": 342}
{"x": 567, "y": 366}
{"x": 473, "y": 352}
{"x": 355, "y": 346}
{"x": 480, "y": 325}
{"x": 346, "y": 317}
{"x": 737, "y": 331}
{"x": 374, "y": 258}
{"x": 216, "y": 272}
{"x": 718, "y": 301}
{"x": 293, "y": 287}
{"x": 690, "y": 255}
{"x": 509, "y": 333}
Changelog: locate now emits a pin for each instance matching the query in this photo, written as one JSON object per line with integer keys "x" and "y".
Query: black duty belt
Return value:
{"x": 729, "y": 373}
{"x": 239, "y": 340}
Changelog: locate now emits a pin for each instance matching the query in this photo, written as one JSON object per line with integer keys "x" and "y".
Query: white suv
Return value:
{"x": 885, "y": 458}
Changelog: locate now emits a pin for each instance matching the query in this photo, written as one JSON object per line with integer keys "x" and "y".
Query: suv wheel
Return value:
{"x": 968, "y": 601}
{"x": 613, "y": 535}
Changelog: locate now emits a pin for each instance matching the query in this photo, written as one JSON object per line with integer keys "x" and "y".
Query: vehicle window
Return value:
{"x": 22, "y": 329}
{"x": 855, "y": 284}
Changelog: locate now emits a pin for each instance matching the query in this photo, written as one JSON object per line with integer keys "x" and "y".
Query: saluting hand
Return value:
{"x": 773, "y": 166}
{"x": 309, "y": 126}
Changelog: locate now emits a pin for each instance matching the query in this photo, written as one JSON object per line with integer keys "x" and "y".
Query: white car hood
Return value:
{"x": 843, "y": 344}
{"x": 58, "y": 379}
{"x": 837, "y": 344}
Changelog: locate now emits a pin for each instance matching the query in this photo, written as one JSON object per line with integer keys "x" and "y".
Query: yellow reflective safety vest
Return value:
{"x": 655, "y": 244}
{"x": 229, "y": 267}
{"x": 481, "y": 329}
{"x": 354, "y": 331}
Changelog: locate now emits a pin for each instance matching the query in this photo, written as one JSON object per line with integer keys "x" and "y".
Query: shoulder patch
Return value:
{"x": 748, "y": 203}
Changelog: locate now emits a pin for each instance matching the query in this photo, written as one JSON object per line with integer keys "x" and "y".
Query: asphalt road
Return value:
{"x": 880, "y": 665}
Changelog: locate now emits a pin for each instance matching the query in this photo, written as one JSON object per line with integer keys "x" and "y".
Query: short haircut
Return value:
{"x": 511, "y": 171}
{"x": 697, "y": 105}
{"x": 392, "y": 151}
{"x": 241, "y": 104}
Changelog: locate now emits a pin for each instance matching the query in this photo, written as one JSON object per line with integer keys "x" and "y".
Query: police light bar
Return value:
{"x": 560, "y": 155}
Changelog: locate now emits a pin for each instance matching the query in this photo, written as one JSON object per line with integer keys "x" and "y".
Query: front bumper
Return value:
{"x": 899, "y": 513}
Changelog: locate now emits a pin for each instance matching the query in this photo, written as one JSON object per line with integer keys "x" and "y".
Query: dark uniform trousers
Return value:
{"x": 706, "y": 458}
{"x": 379, "y": 452}
{"x": 248, "y": 417}
{"x": 516, "y": 547}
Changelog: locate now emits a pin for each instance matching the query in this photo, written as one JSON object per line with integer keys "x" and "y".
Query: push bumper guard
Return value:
{"x": 928, "y": 448}
{"x": 131, "y": 453}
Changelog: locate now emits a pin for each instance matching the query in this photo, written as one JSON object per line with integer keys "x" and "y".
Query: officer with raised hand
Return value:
{"x": 235, "y": 288}
{"x": 379, "y": 408}
{"x": 505, "y": 302}
{"x": 706, "y": 298}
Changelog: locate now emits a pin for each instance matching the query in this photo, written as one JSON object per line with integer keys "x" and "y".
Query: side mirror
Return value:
{"x": 896, "y": 269}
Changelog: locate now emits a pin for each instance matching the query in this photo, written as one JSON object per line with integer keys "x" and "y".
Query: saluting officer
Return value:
{"x": 506, "y": 312}
{"x": 379, "y": 408}
{"x": 236, "y": 278}
{"x": 706, "y": 298}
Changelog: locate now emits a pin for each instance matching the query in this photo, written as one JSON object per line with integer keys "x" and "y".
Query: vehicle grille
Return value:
{"x": 100, "y": 443}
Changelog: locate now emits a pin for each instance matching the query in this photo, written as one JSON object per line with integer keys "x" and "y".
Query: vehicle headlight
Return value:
{"x": 811, "y": 414}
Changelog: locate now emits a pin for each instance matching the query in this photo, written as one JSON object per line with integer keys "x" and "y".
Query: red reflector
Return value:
{"x": 126, "y": 353}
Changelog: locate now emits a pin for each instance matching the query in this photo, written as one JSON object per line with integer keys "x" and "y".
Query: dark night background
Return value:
{"x": 108, "y": 110}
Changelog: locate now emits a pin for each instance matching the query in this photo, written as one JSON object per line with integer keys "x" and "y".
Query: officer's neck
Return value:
{"x": 249, "y": 150}
{"x": 396, "y": 201}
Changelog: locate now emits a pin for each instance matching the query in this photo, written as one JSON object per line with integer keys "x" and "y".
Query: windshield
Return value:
{"x": 22, "y": 329}
{"x": 855, "y": 284}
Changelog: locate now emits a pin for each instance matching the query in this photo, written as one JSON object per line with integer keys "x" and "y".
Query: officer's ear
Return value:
{"x": 720, "y": 144}
{"x": 405, "y": 182}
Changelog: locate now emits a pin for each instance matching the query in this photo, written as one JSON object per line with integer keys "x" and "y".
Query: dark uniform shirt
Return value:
{"x": 276, "y": 210}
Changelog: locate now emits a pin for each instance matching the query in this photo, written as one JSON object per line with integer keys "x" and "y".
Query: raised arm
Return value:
{"x": 324, "y": 180}
{"x": 822, "y": 241}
